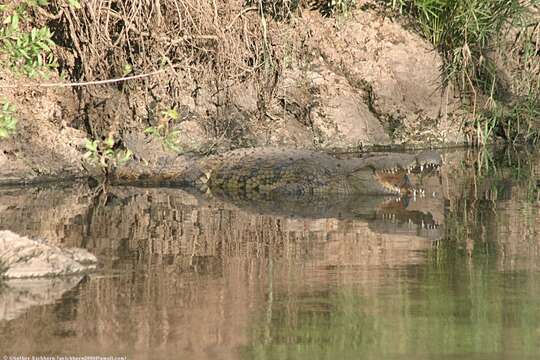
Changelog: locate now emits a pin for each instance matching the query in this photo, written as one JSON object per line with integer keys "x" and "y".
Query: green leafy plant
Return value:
{"x": 164, "y": 132}
{"x": 105, "y": 154}
{"x": 8, "y": 121}
{"x": 27, "y": 52}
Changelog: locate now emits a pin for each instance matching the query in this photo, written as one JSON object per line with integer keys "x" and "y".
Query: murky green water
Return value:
{"x": 452, "y": 275}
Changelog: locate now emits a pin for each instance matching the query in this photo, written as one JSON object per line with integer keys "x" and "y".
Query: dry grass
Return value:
{"x": 523, "y": 52}
{"x": 209, "y": 50}
{"x": 198, "y": 40}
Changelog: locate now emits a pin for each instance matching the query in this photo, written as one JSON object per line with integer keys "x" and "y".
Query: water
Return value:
{"x": 452, "y": 275}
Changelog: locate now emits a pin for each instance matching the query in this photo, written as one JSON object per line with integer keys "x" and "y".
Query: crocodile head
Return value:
{"x": 391, "y": 172}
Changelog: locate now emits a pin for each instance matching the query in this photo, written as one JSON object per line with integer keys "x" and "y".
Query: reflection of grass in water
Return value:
{"x": 503, "y": 165}
{"x": 316, "y": 327}
{"x": 459, "y": 303}
{"x": 450, "y": 310}
{"x": 474, "y": 218}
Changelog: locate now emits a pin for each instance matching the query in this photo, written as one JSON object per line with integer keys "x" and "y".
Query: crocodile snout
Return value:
{"x": 425, "y": 161}
{"x": 428, "y": 159}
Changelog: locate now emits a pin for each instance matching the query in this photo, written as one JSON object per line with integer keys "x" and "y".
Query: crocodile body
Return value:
{"x": 266, "y": 172}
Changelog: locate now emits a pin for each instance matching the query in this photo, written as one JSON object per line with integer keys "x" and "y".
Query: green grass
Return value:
{"x": 464, "y": 31}
{"x": 521, "y": 122}
{"x": 470, "y": 35}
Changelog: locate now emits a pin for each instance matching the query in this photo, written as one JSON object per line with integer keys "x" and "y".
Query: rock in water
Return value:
{"x": 21, "y": 257}
{"x": 17, "y": 296}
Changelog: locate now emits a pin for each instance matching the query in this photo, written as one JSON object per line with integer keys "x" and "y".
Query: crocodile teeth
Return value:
{"x": 204, "y": 179}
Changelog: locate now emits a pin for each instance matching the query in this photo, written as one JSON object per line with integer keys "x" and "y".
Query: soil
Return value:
{"x": 44, "y": 147}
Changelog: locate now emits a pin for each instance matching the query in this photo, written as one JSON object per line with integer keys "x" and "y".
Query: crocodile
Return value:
{"x": 268, "y": 172}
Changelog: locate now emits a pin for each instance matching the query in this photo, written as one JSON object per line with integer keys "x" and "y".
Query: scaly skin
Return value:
{"x": 260, "y": 173}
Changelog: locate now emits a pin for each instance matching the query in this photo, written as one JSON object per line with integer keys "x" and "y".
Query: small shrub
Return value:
{"x": 164, "y": 132}
{"x": 8, "y": 122}
{"x": 105, "y": 154}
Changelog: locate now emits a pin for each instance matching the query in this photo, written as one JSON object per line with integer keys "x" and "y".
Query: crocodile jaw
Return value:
{"x": 395, "y": 182}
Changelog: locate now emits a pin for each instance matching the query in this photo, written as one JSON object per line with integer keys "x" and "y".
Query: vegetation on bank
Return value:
{"x": 491, "y": 53}
{"x": 164, "y": 132}
{"x": 24, "y": 48}
{"x": 490, "y": 48}
{"x": 106, "y": 154}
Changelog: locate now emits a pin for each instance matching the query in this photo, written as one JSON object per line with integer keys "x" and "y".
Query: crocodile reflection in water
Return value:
{"x": 309, "y": 184}
{"x": 383, "y": 214}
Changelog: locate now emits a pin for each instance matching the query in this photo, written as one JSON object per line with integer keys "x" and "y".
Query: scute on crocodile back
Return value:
{"x": 279, "y": 172}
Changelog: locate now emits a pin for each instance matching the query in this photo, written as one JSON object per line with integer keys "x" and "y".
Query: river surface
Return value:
{"x": 451, "y": 274}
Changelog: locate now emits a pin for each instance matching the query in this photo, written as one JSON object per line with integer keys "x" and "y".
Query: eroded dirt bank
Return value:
{"x": 349, "y": 83}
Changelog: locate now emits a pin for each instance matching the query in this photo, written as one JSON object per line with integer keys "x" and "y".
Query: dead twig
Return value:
{"x": 85, "y": 83}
